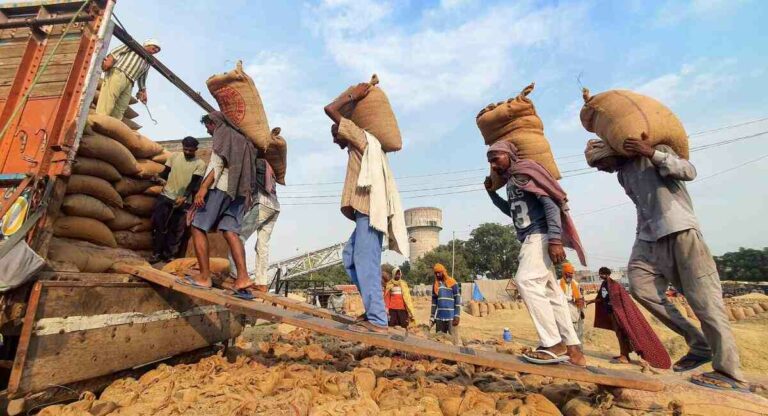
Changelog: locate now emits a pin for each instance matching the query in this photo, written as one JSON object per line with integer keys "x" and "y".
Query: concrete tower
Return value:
{"x": 424, "y": 225}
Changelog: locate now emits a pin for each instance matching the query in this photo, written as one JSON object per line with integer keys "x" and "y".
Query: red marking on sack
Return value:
{"x": 231, "y": 103}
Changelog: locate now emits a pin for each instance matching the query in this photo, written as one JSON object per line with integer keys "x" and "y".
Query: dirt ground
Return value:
{"x": 751, "y": 334}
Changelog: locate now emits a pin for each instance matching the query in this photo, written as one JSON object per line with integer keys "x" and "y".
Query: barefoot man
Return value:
{"x": 539, "y": 211}
{"x": 226, "y": 191}
{"x": 669, "y": 249}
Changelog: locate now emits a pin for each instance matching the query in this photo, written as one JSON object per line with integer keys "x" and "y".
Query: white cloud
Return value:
{"x": 676, "y": 11}
{"x": 690, "y": 81}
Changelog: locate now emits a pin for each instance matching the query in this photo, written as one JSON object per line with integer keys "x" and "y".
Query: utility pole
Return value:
{"x": 453, "y": 256}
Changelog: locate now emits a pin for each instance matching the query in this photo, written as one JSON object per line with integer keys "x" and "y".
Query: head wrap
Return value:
{"x": 447, "y": 280}
{"x": 568, "y": 268}
{"x": 596, "y": 150}
{"x": 531, "y": 176}
{"x": 152, "y": 42}
{"x": 394, "y": 272}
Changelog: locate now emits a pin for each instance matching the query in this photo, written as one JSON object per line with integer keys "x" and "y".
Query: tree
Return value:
{"x": 746, "y": 265}
{"x": 334, "y": 275}
{"x": 493, "y": 249}
{"x": 421, "y": 269}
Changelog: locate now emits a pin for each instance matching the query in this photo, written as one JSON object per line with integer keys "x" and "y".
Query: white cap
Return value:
{"x": 152, "y": 42}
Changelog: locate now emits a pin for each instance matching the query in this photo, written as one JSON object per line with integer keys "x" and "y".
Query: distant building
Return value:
{"x": 424, "y": 225}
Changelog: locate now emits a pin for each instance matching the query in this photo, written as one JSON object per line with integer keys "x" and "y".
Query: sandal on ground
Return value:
{"x": 555, "y": 359}
{"x": 689, "y": 362}
{"x": 189, "y": 281}
{"x": 243, "y": 294}
{"x": 719, "y": 381}
{"x": 368, "y": 328}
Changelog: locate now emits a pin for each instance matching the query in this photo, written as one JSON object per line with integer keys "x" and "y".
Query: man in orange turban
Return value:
{"x": 446, "y": 300}
{"x": 575, "y": 299}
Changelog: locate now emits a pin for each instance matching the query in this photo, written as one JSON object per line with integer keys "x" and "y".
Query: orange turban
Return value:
{"x": 568, "y": 268}
{"x": 448, "y": 280}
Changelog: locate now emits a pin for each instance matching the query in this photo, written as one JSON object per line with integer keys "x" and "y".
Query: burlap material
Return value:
{"x": 148, "y": 169}
{"x": 124, "y": 220}
{"x": 103, "y": 148}
{"x": 161, "y": 157}
{"x": 129, "y": 186}
{"x": 81, "y": 205}
{"x": 144, "y": 225}
{"x": 83, "y": 165}
{"x": 616, "y": 115}
{"x": 141, "y": 205}
{"x": 130, "y": 113}
{"x": 154, "y": 190}
{"x": 134, "y": 241}
{"x": 187, "y": 266}
{"x": 95, "y": 187}
{"x": 239, "y": 100}
{"x": 374, "y": 114}
{"x": 140, "y": 146}
{"x": 277, "y": 155}
{"x": 82, "y": 228}
{"x": 516, "y": 121}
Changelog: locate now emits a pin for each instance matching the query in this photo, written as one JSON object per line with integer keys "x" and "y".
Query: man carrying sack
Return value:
{"x": 575, "y": 299}
{"x": 370, "y": 199}
{"x": 122, "y": 68}
{"x": 539, "y": 212}
{"x": 397, "y": 297}
{"x": 669, "y": 249}
{"x": 225, "y": 192}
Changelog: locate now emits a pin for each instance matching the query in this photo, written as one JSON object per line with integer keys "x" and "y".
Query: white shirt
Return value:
{"x": 220, "y": 175}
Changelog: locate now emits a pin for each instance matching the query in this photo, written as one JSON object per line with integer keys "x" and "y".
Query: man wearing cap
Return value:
{"x": 122, "y": 68}
{"x": 183, "y": 174}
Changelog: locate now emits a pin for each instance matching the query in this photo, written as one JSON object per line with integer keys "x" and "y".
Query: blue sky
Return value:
{"x": 442, "y": 61}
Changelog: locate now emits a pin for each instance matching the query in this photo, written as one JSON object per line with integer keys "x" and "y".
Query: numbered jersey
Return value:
{"x": 527, "y": 212}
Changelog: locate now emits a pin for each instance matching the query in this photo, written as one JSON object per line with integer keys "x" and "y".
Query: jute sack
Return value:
{"x": 110, "y": 151}
{"x": 483, "y": 309}
{"x": 144, "y": 225}
{"x": 95, "y": 167}
{"x": 81, "y": 205}
{"x": 141, "y": 205}
{"x": 154, "y": 190}
{"x": 95, "y": 187}
{"x": 130, "y": 113}
{"x": 738, "y": 313}
{"x": 139, "y": 145}
{"x": 694, "y": 399}
{"x": 277, "y": 155}
{"x": 616, "y": 115}
{"x": 239, "y": 100}
{"x": 186, "y": 266}
{"x": 161, "y": 157}
{"x": 124, "y": 220}
{"x": 749, "y": 312}
{"x": 148, "y": 169}
{"x": 134, "y": 241}
{"x": 729, "y": 312}
{"x": 132, "y": 124}
{"x": 85, "y": 260}
{"x": 374, "y": 114}
{"x": 474, "y": 308}
{"x": 129, "y": 186}
{"x": 82, "y": 228}
{"x": 516, "y": 121}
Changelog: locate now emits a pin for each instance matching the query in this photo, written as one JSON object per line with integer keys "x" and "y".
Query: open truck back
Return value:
{"x": 60, "y": 327}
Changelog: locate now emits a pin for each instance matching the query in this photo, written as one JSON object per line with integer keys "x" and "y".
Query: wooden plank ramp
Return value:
{"x": 601, "y": 376}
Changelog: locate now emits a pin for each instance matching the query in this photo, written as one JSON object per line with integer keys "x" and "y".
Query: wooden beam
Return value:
{"x": 303, "y": 307}
{"x": 399, "y": 342}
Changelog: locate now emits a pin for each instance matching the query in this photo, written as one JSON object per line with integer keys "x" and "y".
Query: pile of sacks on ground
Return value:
{"x": 110, "y": 195}
{"x": 486, "y": 308}
{"x": 737, "y": 309}
{"x": 298, "y": 373}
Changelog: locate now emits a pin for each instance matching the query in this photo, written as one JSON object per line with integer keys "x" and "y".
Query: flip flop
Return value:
{"x": 715, "y": 380}
{"x": 696, "y": 360}
{"x": 555, "y": 358}
{"x": 363, "y": 328}
{"x": 188, "y": 281}
{"x": 243, "y": 294}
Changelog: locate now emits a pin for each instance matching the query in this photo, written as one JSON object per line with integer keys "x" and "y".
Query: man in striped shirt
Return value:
{"x": 122, "y": 68}
{"x": 446, "y": 301}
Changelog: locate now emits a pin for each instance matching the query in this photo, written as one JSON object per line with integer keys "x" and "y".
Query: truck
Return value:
{"x": 66, "y": 331}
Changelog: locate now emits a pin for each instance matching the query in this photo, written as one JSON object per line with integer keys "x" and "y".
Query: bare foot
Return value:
{"x": 243, "y": 282}
{"x": 261, "y": 288}
{"x": 577, "y": 357}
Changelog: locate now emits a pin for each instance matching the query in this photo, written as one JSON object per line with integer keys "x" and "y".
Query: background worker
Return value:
{"x": 614, "y": 310}
{"x": 446, "y": 301}
{"x": 575, "y": 298}
{"x": 220, "y": 203}
{"x": 122, "y": 68}
{"x": 539, "y": 212}
{"x": 183, "y": 174}
{"x": 397, "y": 297}
{"x": 669, "y": 249}
{"x": 374, "y": 218}
{"x": 261, "y": 219}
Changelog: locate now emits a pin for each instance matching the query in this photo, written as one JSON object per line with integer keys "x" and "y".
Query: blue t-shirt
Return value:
{"x": 527, "y": 212}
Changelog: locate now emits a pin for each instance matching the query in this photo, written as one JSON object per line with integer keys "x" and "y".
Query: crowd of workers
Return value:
{"x": 235, "y": 194}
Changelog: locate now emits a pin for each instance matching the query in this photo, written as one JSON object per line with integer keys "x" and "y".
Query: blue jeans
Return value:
{"x": 362, "y": 260}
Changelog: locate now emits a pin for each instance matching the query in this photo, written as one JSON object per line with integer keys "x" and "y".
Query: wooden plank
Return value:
{"x": 22, "y": 351}
{"x": 299, "y": 306}
{"x": 405, "y": 343}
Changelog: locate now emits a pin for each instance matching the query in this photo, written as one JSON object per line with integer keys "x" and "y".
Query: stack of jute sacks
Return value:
{"x": 239, "y": 100}
{"x": 374, "y": 114}
{"x": 111, "y": 193}
{"x": 515, "y": 120}
{"x": 485, "y": 308}
{"x": 617, "y": 115}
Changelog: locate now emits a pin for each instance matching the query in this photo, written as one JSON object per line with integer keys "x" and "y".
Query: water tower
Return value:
{"x": 424, "y": 225}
